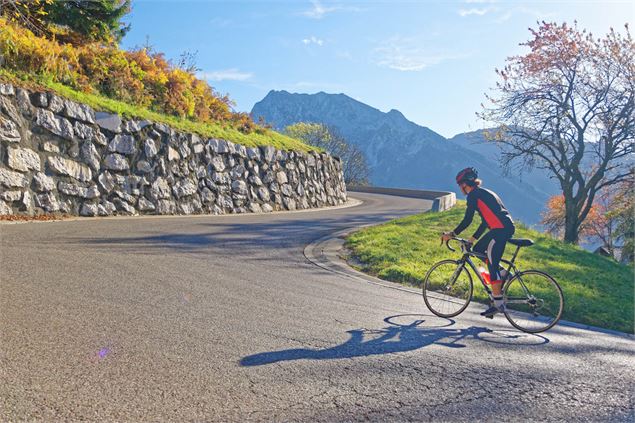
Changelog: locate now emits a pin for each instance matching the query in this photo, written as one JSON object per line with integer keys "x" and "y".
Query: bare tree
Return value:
{"x": 355, "y": 166}
{"x": 568, "y": 106}
{"x": 187, "y": 62}
{"x": 319, "y": 135}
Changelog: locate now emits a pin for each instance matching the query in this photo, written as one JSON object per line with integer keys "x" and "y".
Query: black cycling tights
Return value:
{"x": 493, "y": 244}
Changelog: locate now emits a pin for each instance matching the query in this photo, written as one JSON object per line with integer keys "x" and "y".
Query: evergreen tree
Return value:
{"x": 97, "y": 20}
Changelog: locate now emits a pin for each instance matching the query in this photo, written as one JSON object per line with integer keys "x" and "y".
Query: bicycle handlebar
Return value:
{"x": 464, "y": 242}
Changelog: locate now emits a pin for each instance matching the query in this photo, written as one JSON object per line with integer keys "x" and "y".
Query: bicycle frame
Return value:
{"x": 467, "y": 259}
{"x": 519, "y": 290}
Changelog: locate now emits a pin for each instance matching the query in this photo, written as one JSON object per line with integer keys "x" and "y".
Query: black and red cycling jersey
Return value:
{"x": 493, "y": 213}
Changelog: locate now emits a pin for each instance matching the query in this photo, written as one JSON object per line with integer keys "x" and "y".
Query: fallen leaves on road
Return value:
{"x": 38, "y": 218}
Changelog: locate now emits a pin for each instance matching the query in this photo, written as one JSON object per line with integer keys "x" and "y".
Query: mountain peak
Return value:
{"x": 281, "y": 108}
{"x": 399, "y": 152}
{"x": 395, "y": 113}
{"x": 277, "y": 93}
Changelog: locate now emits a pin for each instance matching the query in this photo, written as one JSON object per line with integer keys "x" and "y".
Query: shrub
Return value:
{"x": 138, "y": 77}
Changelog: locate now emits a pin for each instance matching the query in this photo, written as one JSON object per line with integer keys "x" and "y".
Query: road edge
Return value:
{"x": 441, "y": 200}
{"x": 350, "y": 202}
{"x": 325, "y": 253}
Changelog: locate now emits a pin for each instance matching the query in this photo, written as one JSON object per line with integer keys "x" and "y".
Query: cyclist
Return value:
{"x": 495, "y": 217}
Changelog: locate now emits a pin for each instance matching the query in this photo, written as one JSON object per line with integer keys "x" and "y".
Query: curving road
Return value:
{"x": 223, "y": 319}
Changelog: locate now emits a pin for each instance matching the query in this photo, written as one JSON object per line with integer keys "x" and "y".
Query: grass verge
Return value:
{"x": 259, "y": 138}
{"x": 598, "y": 291}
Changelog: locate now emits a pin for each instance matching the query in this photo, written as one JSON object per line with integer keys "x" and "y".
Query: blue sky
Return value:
{"x": 431, "y": 60}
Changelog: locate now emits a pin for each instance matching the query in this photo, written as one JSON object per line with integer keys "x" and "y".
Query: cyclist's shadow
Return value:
{"x": 364, "y": 342}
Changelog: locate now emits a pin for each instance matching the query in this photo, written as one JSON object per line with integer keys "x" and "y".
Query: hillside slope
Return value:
{"x": 139, "y": 83}
{"x": 261, "y": 137}
{"x": 598, "y": 291}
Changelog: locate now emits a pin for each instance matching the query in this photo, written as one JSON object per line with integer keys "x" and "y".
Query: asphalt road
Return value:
{"x": 224, "y": 319}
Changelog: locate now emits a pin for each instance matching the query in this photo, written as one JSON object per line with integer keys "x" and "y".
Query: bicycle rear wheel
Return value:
{"x": 533, "y": 301}
{"x": 447, "y": 288}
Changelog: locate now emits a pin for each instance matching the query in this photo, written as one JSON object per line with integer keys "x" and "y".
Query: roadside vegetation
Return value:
{"x": 598, "y": 290}
{"x": 71, "y": 48}
{"x": 318, "y": 135}
{"x": 209, "y": 130}
{"x": 611, "y": 220}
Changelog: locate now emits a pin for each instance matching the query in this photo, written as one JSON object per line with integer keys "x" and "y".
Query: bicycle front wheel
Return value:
{"x": 533, "y": 301}
{"x": 447, "y": 288}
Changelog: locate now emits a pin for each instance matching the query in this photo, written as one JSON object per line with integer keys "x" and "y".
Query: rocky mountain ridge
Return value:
{"x": 403, "y": 154}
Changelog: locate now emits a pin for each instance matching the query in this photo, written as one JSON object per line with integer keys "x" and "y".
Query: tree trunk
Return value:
{"x": 571, "y": 233}
{"x": 571, "y": 224}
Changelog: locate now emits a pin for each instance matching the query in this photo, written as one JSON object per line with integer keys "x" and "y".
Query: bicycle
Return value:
{"x": 533, "y": 299}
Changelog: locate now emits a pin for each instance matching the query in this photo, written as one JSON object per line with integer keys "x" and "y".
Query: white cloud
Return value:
{"x": 313, "y": 40}
{"x": 505, "y": 11}
{"x": 537, "y": 14}
{"x": 318, "y": 11}
{"x": 468, "y": 12}
{"x": 504, "y": 17}
{"x": 407, "y": 55}
{"x": 232, "y": 74}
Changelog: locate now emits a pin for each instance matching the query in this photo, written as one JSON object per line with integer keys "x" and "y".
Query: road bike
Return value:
{"x": 533, "y": 299}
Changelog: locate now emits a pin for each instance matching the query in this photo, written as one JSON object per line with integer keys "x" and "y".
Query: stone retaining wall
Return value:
{"x": 58, "y": 156}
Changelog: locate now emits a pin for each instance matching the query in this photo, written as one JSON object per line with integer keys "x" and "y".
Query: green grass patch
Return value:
{"x": 261, "y": 137}
{"x": 598, "y": 291}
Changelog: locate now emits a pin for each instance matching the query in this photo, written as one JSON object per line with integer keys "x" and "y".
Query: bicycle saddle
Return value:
{"x": 521, "y": 242}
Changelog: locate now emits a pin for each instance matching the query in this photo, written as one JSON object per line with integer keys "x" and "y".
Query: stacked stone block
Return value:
{"x": 58, "y": 156}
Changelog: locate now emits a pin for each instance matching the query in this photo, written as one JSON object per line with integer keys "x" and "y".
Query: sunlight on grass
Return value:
{"x": 598, "y": 291}
{"x": 260, "y": 137}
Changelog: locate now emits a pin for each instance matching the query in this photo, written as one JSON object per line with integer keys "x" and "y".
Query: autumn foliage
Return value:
{"x": 140, "y": 77}
{"x": 567, "y": 106}
{"x": 553, "y": 218}
{"x": 611, "y": 219}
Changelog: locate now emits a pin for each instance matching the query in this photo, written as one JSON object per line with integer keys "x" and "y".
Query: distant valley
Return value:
{"x": 403, "y": 154}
